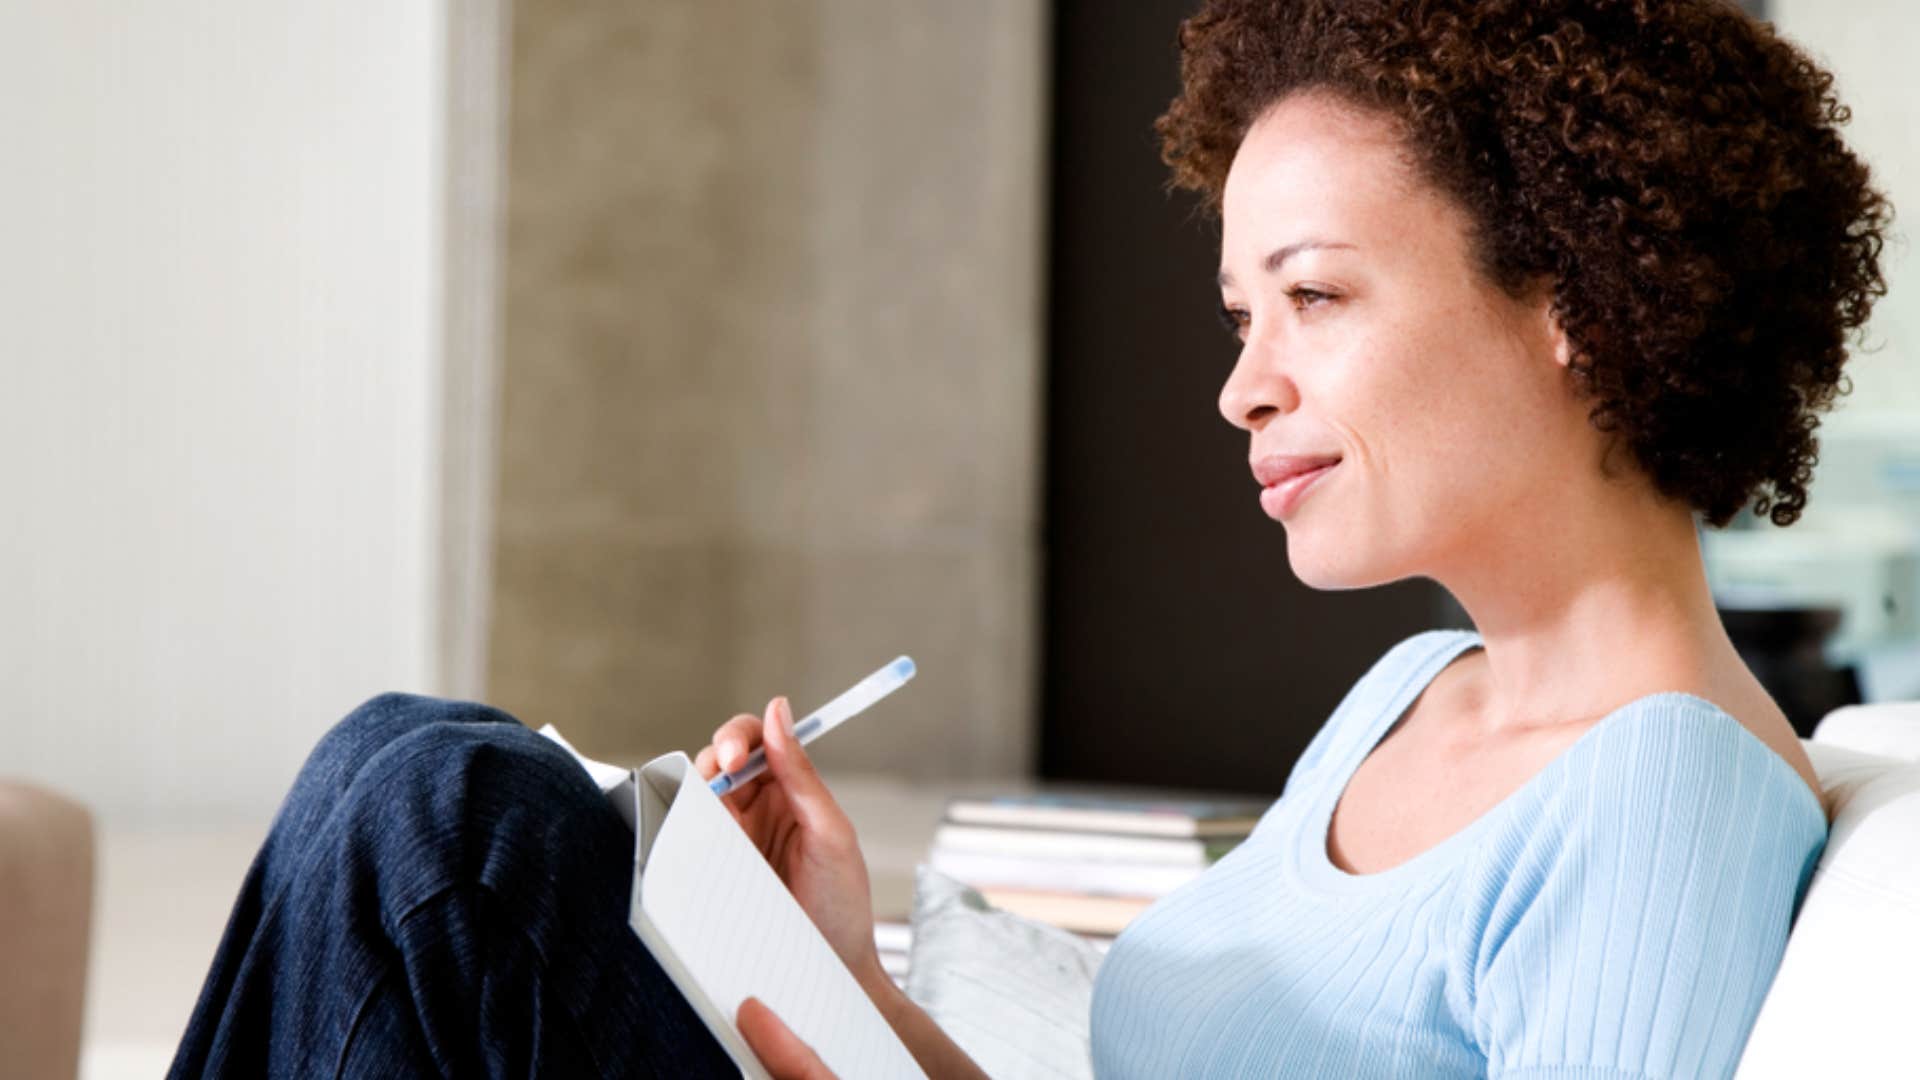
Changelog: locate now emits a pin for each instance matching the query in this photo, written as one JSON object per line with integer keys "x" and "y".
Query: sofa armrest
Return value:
{"x": 46, "y": 895}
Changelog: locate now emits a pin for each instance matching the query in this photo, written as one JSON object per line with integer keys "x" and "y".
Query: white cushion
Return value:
{"x": 1889, "y": 730}
{"x": 1016, "y": 995}
{"x": 1844, "y": 999}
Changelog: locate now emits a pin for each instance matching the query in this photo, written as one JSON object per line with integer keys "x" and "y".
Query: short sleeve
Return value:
{"x": 1632, "y": 930}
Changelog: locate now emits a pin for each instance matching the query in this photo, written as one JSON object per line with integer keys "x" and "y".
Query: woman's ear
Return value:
{"x": 1562, "y": 348}
{"x": 1545, "y": 299}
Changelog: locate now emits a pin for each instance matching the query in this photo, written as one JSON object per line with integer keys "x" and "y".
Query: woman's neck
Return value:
{"x": 1588, "y": 606}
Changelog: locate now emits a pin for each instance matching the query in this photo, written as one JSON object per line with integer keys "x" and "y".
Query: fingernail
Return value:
{"x": 783, "y": 712}
{"x": 729, "y": 753}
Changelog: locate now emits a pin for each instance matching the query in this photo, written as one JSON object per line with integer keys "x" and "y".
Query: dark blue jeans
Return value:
{"x": 444, "y": 893}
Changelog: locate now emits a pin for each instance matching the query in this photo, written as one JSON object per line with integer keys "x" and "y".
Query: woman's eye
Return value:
{"x": 1235, "y": 320}
{"x": 1306, "y": 296}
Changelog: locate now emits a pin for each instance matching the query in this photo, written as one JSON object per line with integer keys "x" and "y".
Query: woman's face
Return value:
{"x": 1370, "y": 339}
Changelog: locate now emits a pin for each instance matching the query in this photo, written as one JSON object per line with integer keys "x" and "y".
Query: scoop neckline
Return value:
{"x": 1318, "y": 867}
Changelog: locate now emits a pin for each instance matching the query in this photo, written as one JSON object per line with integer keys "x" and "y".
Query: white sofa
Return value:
{"x": 1849, "y": 985}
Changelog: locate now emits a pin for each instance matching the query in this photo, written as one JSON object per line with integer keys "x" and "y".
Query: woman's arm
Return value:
{"x": 939, "y": 1056}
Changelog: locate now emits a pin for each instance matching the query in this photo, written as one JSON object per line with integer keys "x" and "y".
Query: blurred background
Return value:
{"x": 626, "y": 364}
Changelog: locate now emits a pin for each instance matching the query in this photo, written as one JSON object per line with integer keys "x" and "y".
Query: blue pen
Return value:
{"x": 825, "y": 719}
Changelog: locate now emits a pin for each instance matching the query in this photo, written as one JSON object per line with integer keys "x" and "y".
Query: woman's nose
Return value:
{"x": 1257, "y": 390}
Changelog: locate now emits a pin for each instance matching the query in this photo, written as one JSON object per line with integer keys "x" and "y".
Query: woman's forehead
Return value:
{"x": 1313, "y": 170}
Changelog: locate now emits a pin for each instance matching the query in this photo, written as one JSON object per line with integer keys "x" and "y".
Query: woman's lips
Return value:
{"x": 1279, "y": 499}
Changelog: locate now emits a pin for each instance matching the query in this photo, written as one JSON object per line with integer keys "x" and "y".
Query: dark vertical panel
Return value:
{"x": 1179, "y": 649}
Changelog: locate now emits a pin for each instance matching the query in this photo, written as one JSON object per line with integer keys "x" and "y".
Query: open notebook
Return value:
{"x": 725, "y": 928}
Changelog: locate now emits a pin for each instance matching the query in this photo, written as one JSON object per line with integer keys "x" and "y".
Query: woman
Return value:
{"x": 1521, "y": 288}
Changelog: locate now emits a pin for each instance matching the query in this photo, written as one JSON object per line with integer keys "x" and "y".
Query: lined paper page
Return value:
{"x": 741, "y": 934}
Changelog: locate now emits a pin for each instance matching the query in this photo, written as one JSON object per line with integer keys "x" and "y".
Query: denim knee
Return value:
{"x": 381, "y": 719}
{"x": 474, "y": 866}
{"x": 340, "y": 755}
{"x": 347, "y": 746}
{"x": 487, "y": 804}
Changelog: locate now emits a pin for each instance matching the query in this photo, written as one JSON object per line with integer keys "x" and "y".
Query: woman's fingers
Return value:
{"x": 732, "y": 742}
{"x": 788, "y": 762}
{"x": 777, "y": 1047}
{"x": 735, "y": 739}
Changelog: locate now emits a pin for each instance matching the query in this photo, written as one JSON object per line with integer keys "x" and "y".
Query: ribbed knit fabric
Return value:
{"x": 1620, "y": 915}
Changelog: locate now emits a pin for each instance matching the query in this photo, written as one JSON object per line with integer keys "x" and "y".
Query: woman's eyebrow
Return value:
{"x": 1278, "y": 256}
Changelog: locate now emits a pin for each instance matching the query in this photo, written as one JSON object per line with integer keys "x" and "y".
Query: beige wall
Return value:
{"x": 771, "y": 371}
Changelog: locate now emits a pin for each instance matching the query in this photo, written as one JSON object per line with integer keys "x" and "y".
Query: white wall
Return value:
{"x": 1869, "y": 46}
{"x": 220, "y": 282}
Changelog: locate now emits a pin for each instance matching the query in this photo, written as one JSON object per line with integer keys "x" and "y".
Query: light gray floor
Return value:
{"x": 164, "y": 895}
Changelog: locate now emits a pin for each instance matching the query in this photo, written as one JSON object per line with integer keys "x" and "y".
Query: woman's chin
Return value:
{"x": 1330, "y": 567}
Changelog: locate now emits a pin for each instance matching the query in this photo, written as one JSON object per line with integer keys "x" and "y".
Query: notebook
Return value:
{"x": 724, "y": 927}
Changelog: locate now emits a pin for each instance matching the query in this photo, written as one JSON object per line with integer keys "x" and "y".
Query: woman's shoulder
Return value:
{"x": 1661, "y": 776}
{"x": 1679, "y": 745}
{"x": 1662, "y": 857}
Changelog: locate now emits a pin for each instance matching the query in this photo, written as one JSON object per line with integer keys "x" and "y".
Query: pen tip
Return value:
{"x": 903, "y": 667}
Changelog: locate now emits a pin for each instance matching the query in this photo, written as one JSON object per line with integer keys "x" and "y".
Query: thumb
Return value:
{"x": 790, "y": 765}
{"x": 778, "y": 1048}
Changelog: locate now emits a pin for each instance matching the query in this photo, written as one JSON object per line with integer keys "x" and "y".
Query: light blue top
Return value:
{"x": 1620, "y": 915}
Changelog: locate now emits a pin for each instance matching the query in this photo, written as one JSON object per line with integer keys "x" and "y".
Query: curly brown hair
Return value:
{"x": 1671, "y": 166}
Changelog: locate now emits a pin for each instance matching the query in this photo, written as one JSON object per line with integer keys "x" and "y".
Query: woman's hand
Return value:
{"x": 806, "y": 837}
{"x": 793, "y": 820}
{"x": 777, "y": 1047}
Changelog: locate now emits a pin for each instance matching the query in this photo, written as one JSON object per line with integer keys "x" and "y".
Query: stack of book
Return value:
{"x": 1086, "y": 863}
